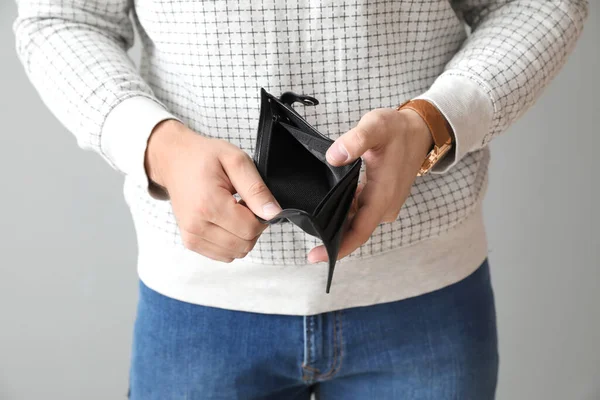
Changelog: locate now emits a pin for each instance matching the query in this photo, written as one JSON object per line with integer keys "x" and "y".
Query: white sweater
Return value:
{"x": 204, "y": 62}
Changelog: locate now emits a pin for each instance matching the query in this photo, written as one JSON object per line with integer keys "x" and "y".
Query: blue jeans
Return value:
{"x": 441, "y": 345}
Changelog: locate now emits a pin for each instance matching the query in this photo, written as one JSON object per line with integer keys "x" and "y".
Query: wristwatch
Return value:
{"x": 440, "y": 130}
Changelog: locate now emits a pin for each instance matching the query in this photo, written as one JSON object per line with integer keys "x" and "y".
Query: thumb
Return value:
{"x": 246, "y": 180}
{"x": 355, "y": 142}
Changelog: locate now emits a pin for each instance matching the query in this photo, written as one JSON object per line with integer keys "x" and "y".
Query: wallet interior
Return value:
{"x": 298, "y": 177}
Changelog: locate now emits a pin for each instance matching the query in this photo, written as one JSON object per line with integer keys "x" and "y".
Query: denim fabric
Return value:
{"x": 441, "y": 345}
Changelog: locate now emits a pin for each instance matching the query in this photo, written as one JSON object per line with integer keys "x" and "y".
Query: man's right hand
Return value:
{"x": 201, "y": 175}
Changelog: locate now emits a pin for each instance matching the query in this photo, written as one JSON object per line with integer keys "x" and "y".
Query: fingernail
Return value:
{"x": 271, "y": 209}
{"x": 337, "y": 153}
{"x": 313, "y": 260}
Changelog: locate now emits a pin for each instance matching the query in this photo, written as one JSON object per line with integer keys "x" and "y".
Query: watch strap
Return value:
{"x": 440, "y": 129}
{"x": 438, "y": 126}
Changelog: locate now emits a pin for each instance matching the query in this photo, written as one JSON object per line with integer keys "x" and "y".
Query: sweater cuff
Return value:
{"x": 125, "y": 136}
{"x": 468, "y": 108}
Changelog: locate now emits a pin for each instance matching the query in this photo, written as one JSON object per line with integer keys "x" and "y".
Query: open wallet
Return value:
{"x": 290, "y": 157}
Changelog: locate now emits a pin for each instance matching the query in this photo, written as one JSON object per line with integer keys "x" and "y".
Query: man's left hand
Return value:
{"x": 393, "y": 145}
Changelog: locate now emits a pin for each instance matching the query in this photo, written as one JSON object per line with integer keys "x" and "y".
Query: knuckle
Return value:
{"x": 257, "y": 189}
{"x": 242, "y": 247}
{"x": 188, "y": 241}
{"x": 238, "y": 158}
{"x": 248, "y": 235}
{"x": 231, "y": 243}
{"x": 389, "y": 218}
{"x": 249, "y": 247}
{"x": 361, "y": 137}
{"x": 218, "y": 257}
{"x": 251, "y": 232}
{"x": 375, "y": 122}
{"x": 209, "y": 255}
{"x": 196, "y": 228}
{"x": 205, "y": 211}
{"x": 377, "y": 119}
{"x": 256, "y": 232}
{"x": 363, "y": 238}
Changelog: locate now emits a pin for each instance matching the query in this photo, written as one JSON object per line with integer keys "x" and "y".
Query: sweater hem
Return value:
{"x": 406, "y": 272}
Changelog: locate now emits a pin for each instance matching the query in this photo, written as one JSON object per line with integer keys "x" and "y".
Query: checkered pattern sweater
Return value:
{"x": 204, "y": 62}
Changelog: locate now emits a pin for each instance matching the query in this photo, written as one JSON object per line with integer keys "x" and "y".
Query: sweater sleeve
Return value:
{"x": 516, "y": 47}
{"x": 75, "y": 54}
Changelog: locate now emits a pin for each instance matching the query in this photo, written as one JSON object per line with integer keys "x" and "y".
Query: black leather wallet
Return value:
{"x": 290, "y": 157}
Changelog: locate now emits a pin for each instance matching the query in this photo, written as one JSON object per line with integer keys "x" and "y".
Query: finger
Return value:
{"x": 367, "y": 218}
{"x": 207, "y": 249}
{"x": 354, "y": 143}
{"x": 249, "y": 185}
{"x": 391, "y": 215}
{"x": 221, "y": 208}
{"x": 363, "y": 224}
{"x": 359, "y": 189}
{"x": 228, "y": 241}
{"x": 317, "y": 254}
{"x": 354, "y": 204}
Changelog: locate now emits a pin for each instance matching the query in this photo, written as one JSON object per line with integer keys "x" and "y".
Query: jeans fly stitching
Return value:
{"x": 337, "y": 353}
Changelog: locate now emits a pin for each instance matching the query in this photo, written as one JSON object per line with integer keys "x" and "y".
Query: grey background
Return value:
{"x": 68, "y": 250}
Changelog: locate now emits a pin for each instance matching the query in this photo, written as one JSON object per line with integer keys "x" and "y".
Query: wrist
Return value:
{"x": 439, "y": 129}
{"x": 164, "y": 139}
{"x": 419, "y": 134}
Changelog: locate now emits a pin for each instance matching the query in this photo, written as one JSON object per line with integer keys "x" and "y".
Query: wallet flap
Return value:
{"x": 316, "y": 145}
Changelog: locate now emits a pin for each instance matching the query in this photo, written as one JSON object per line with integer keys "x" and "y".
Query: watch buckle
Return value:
{"x": 434, "y": 156}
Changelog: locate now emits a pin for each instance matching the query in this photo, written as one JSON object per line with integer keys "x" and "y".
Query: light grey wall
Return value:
{"x": 67, "y": 246}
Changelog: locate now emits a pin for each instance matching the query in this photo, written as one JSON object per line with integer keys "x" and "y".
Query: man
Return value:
{"x": 231, "y": 309}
